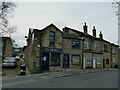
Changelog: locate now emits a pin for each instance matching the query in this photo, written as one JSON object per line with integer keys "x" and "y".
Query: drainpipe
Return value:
{"x": 82, "y": 39}
{"x": 40, "y": 53}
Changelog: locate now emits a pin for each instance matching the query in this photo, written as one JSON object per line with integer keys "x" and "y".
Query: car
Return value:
{"x": 17, "y": 57}
{"x": 9, "y": 62}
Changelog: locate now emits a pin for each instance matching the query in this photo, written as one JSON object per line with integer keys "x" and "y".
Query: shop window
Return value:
{"x": 55, "y": 59}
{"x": 75, "y": 59}
{"x": 76, "y": 44}
{"x": 52, "y": 39}
{"x": 107, "y": 61}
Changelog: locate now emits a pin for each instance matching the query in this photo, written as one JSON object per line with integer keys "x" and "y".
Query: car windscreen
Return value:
{"x": 9, "y": 59}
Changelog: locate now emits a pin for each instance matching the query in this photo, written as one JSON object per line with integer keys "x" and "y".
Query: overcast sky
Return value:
{"x": 71, "y": 14}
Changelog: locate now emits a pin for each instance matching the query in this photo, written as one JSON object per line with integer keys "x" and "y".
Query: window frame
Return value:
{"x": 76, "y": 62}
{"x": 52, "y": 44}
{"x": 78, "y": 46}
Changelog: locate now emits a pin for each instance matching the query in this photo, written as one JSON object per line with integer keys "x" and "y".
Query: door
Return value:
{"x": 84, "y": 63}
{"x": 94, "y": 64}
{"x": 103, "y": 63}
{"x": 45, "y": 62}
{"x": 66, "y": 61}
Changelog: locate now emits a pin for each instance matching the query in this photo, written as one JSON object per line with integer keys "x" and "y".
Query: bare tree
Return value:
{"x": 116, "y": 5}
{"x": 6, "y": 9}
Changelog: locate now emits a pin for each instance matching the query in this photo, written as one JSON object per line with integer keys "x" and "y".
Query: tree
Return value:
{"x": 116, "y": 5}
{"x": 6, "y": 9}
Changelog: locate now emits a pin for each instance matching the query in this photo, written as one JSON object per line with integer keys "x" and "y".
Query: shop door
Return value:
{"x": 66, "y": 61}
{"x": 45, "y": 62}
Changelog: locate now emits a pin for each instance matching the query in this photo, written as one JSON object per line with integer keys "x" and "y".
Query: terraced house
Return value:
{"x": 52, "y": 49}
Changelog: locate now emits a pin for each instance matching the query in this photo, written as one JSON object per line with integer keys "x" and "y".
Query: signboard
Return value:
{"x": 57, "y": 50}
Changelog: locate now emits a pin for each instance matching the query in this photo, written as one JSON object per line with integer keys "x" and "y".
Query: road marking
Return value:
{"x": 15, "y": 83}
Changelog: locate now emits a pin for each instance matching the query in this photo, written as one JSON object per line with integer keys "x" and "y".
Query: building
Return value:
{"x": 7, "y": 49}
{"x": 51, "y": 49}
{"x": 114, "y": 55}
{"x": 84, "y": 50}
{"x": 72, "y": 49}
{"x": 44, "y": 49}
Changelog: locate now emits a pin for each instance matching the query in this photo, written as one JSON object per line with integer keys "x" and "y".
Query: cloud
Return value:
{"x": 38, "y": 15}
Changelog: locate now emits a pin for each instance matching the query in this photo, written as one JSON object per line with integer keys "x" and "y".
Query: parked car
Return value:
{"x": 17, "y": 57}
{"x": 9, "y": 62}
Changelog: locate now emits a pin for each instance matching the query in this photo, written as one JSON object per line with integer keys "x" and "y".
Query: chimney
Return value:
{"x": 65, "y": 30}
{"x": 94, "y": 31}
{"x": 101, "y": 35}
{"x": 85, "y": 28}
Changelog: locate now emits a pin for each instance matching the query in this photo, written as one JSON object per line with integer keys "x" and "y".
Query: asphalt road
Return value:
{"x": 104, "y": 79}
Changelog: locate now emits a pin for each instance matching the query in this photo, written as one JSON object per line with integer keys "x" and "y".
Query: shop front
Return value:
{"x": 50, "y": 58}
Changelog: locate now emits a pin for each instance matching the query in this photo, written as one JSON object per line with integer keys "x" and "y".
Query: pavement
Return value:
{"x": 63, "y": 73}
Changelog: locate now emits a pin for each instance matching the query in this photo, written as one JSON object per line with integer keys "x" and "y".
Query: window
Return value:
{"x": 86, "y": 44}
{"x": 88, "y": 61}
{"x": 113, "y": 60}
{"x": 55, "y": 59}
{"x": 75, "y": 59}
{"x": 96, "y": 46}
{"x": 107, "y": 61}
{"x": 52, "y": 39}
{"x": 105, "y": 47}
{"x": 76, "y": 44}
{"x": 99, "y": 61}
{"x": 113, "y": 50}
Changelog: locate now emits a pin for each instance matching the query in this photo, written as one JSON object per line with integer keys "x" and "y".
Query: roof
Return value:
{"x": 32, "y": 30}
{"x": 81, "y": 34}
{"x": 52, "y": 25}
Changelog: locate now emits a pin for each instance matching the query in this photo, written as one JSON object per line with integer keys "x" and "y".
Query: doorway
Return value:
{"x": 103, "y": 63}
{"x": 66, "y": 61}
{"x": 45, "y": 62}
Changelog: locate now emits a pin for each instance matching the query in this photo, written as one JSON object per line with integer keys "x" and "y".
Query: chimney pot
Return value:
{"x": 101, "y": 35}
{"x": 94, "y": 31}
{"x": 85, "y": 28}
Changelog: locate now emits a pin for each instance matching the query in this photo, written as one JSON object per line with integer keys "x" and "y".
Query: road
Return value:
{"x": 103, "y": 79}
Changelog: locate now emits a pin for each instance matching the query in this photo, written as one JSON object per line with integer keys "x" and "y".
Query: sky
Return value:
{"x": 38, "y": 14}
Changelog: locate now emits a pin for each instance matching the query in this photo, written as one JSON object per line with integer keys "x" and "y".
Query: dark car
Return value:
{"x": 9, "y": 62}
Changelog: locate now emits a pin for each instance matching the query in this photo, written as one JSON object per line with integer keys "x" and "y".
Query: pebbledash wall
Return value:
{"x": 52, "y": 49}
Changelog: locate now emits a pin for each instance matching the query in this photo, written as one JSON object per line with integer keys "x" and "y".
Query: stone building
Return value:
{"x": 114, "y": 55}
{"x": 51, "y": 49}
{"x": 72, "y": 49}
{"x": 7, "y": 49}
{"x": 84, "y": 49}
{"x": 44, "y": 49}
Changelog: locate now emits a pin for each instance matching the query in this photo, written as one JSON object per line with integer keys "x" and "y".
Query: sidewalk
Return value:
{"x": 64, "y": 73}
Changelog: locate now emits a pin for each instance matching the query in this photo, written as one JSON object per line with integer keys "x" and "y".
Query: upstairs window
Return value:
{"x": 86, "y": 44}
{"x": 76, "y": 44}
{"x": 113, "y": 50}
{"x": 52, "y": 39}
{"x": 105, "y": 47}
{"x": 96, "y": 46}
